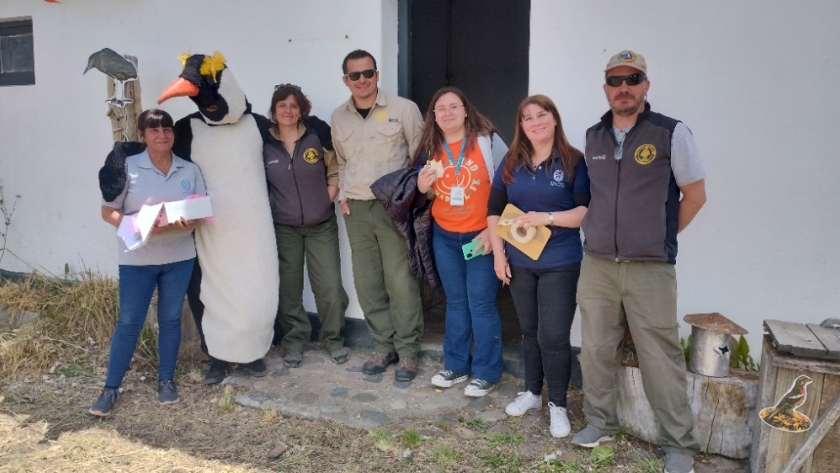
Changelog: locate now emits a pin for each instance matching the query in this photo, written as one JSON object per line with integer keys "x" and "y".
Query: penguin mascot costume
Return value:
{"x": 234, "y": 291}
{"x": 236, "y": 301}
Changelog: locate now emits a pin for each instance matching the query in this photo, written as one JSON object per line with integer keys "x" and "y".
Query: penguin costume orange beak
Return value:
{"x": 179, "y": 88}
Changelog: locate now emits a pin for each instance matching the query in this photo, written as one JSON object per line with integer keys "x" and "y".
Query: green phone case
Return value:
{"x": 469, "y": 249}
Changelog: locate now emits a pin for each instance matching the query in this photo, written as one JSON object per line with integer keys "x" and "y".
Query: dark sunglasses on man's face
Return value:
{"x": 632, "y": 79}
{"x": 354, "y": 76}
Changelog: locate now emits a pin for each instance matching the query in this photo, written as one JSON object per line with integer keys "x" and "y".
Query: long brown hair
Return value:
{"x": 519, "y": 154}
{"x": 431, "y": 141}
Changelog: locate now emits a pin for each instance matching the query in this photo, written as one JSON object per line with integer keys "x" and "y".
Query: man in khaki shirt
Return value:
{"x": 374, "y": 134}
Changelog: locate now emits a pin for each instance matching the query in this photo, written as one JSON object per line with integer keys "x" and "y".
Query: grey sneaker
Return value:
{"x": 678, "y": 461}
{"x": 378, "y": 362}
{"x": 340, "y": 355}
{"x": 479, "y": 388}
{"x": 167, "y": 393}
{"x": 590, "y": 437}
{"x": 448, "y": 378}
{"x": 102, "y": 407}
{"x": 293, "y": 359}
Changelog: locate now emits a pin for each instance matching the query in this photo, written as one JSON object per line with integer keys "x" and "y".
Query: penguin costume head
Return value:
{"x": 211, "y": 85}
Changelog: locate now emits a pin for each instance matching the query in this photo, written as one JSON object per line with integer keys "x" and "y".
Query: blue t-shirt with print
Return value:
{"x": 547, "y": 189}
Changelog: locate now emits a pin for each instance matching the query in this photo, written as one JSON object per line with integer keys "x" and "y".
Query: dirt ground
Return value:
{"x": 44, "y": 428}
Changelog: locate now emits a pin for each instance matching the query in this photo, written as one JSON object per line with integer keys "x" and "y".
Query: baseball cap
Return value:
{"x": 630, "y": 59}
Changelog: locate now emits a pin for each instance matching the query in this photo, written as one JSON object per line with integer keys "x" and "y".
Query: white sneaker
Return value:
{"x": 560, "y": 426}
{"x": 522, "y": 403}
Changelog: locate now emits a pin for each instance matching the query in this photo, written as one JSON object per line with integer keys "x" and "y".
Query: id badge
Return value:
{"x": 456, "y": 195}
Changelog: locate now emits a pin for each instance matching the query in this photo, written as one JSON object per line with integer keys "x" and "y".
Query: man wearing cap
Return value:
{"x": 647, "y": 185}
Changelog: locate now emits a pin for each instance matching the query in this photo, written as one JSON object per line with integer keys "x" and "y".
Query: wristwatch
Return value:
{"x": 550, "y": 218}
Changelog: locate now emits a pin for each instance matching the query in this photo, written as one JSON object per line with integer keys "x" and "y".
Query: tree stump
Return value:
{"x": 723, "y": 410}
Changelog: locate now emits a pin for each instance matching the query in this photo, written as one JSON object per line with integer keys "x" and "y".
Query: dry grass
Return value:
{"x": 76, "y": 316}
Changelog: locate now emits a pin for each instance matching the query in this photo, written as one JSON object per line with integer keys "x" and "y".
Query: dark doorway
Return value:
{"x": 480, "y": 46}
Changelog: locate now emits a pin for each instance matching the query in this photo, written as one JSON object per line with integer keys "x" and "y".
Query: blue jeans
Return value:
{"x": 137, "y": 284}
{"x": 471, "y": 314}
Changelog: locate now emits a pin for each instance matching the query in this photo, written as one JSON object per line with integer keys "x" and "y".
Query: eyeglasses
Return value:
{"x": 450, "y": 109}
{"x": 287, "y": 86}
{"x": 632, "y": 79}
{"x": 354, "y": 76}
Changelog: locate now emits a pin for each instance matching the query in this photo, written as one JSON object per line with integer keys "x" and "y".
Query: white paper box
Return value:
{"x": 190, "y": 209}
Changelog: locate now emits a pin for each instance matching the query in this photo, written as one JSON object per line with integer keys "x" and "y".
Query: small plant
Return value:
{"x": 226, "y": 401}
{"x": 445, "y": 456}
{"x": 685, "y": 343}
{"x": 382, "y": 439}
{"x": 601, "y": 455}
{"x": 474, "y": 423}
{"x": 444, "y": 426}
{"x": 7, "y": 221}
{"x": 499, "y": 461}
{"x": 411, "y": 438}
{"x": 269, "y": 415}
{"x": 561, "y": 466}
{"x": 505, "y": 438}
{"x": 649, "y": 464}
{"x": 740, "y": 355}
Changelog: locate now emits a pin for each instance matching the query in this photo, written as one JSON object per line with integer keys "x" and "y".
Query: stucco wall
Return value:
{"x": 756, "y": 83}
{"x": 752, "y": 79}
{"x": 54, "y": 135}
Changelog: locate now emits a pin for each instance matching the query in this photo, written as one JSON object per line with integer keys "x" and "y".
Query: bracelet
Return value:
{"x": 550, "y": 218}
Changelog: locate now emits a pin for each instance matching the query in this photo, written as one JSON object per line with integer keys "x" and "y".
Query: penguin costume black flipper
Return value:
{"x": 112, "y": 174}
{"x": 322, "y": 129}
{"x": 237, "y": 251}
{"x": 183, "y": 137}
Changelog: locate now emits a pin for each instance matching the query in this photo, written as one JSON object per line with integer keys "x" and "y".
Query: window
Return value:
{"x": 17, "y": 53}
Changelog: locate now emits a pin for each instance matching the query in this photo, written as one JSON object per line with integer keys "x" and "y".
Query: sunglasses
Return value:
{"x": 354, "y": 76}
{"x": 286, "y": 86}
{"x": 632, "y": 79}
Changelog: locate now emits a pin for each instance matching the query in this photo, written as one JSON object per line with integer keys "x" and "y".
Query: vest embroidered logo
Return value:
{"x": 310, "y": 156}
{"x": 645, "y": 154}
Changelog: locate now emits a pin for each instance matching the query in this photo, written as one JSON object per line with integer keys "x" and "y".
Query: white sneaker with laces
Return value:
{"x": 560, "y": 426}
{"x": 523, "y": 402}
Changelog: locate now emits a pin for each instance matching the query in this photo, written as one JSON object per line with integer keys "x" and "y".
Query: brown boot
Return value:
{"x": 378, "y": 362}
{"x": 407, "y": 369}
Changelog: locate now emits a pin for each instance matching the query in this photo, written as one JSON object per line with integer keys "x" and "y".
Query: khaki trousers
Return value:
{"x": 389, "y": 293}
{"x": 643, "y": 296}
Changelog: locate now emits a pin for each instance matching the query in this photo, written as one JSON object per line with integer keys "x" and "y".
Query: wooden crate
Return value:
{"x": 775, "y": 451}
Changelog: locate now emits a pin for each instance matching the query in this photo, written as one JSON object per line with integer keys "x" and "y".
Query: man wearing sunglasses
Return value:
{"x": 647, "y": 184}
{"x": 374, "y": 134}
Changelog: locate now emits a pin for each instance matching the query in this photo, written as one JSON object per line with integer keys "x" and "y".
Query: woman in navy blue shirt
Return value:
{"x": 545, "y": 177}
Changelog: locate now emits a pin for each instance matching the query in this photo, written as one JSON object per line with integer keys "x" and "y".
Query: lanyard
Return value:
{"x": 460, "y": 154}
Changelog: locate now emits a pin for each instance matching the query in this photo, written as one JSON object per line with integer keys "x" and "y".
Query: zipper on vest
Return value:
{"x": 294, "y": 178}
{"x": 615, "y": 206}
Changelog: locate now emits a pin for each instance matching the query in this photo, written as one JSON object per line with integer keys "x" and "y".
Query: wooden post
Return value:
{"x": 124, "y": 120}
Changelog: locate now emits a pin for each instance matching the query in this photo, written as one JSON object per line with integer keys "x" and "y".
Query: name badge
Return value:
{"x": 456, "y": 195}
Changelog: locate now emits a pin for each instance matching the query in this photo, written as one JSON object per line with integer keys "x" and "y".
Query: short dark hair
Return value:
{"x": 153, "y": 118}
{"x": 283, "y": 92}
{"x": 357, "y": 54}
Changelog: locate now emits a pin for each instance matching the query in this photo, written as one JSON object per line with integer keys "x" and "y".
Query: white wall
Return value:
{"x": 756, "y": 81}
{"x": 54, "y": 135}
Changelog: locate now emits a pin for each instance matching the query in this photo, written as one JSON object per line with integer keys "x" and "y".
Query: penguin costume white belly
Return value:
{"x": 237, "y": 252}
